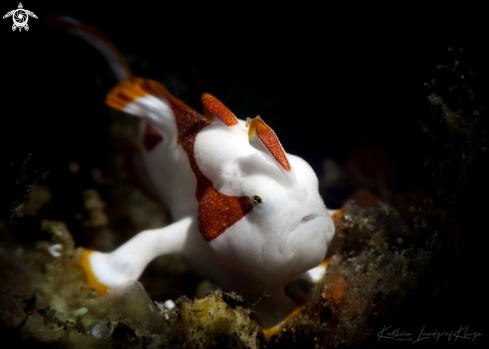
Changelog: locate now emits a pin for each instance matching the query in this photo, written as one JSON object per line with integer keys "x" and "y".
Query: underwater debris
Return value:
{"x": 369, "y": 274}
{"x": 17, "y": 181}
{"x": 128, "y": 304}
{"x": 38, "y": 198}
{"x": 95, "y": 209}
{"x": 211, "y": 322}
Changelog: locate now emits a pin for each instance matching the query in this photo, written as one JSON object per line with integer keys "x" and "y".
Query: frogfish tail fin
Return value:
{"x": 96, "y": 39}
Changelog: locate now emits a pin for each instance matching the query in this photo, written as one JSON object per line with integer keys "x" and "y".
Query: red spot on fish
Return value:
{"x": 151, "y": 137}
{"x": 218, "y": 211}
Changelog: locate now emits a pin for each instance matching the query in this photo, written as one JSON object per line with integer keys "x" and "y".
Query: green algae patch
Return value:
{"x": 211, "y": 322}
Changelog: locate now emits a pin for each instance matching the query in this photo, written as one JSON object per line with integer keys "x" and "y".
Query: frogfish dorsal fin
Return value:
{"x": 214, "y": 107}
{"x": 260, "y": 136}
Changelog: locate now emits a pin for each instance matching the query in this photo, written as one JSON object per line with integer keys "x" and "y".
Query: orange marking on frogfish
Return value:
{"x": 217, "y": 211}
{"x": 337, "y": 217}
{"x": 151, "y": 137}
{"x": 269, "y": 140}
{"x": 334, "y": 288}
{"x": 92, "y": 281}
{"x": 214, "y": 107}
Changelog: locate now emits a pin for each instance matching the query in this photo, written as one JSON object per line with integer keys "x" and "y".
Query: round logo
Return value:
{"x": 20, "y": 17}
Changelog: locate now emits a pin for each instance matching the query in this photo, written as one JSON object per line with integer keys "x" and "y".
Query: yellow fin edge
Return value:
{"x": 92, "y": 281}
{"x": 270, "y": 332}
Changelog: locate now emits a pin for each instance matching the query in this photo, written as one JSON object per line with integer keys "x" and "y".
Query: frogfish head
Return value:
{"x": 285, "y": 234}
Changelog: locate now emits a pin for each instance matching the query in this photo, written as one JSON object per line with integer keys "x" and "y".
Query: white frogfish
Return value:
{"x": 247, "y": 215}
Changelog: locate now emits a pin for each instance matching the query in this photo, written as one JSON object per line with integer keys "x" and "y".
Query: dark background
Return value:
{"x": 324, "y": 78}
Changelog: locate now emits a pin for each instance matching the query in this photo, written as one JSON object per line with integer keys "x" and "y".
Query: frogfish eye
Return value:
{"x": 257, "y": 200}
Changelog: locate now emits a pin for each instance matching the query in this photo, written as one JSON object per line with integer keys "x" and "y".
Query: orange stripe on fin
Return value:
{"x": 269, "y": 139}
{"x": 214, "y": 107}
{"x": 125, "y": 92}
{"x": 92, "y": 281}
